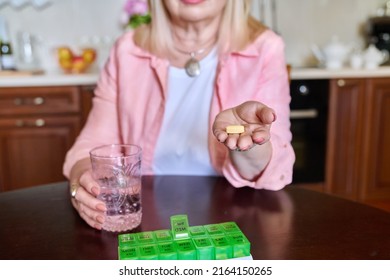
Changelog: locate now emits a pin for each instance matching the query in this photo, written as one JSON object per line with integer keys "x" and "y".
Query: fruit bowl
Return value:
{"x": 75, "y": 63}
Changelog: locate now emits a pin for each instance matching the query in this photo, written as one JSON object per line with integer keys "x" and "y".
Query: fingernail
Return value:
{"x": 95, "y": 191}
{"x": 101, "y": 207}
{"x": 97, "y": 226}
{"x": 259, "y": 140}
{"x": 274, "y": 117}
{"x": 100, "y": 219}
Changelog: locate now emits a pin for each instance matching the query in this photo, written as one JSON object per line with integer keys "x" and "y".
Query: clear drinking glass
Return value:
{"x": 27, "y": 51}
{"x": 117, "y": 169}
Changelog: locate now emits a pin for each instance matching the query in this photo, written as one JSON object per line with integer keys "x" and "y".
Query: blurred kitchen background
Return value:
{"x": 339, "y": 84}
{"x": 98, "y": 22}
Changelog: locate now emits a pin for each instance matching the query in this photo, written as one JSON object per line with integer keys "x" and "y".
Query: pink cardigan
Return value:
{"x": 128, "y": 106}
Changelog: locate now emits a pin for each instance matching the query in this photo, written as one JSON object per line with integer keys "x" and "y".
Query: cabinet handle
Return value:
{"x": 18, "y": 101}
{"x": 39, "y": 100}
{"x": 19, "y": 123}
{"x": 37, "y": 123}
{"x": 341, "y": 83}
{"x": 36, "y": 101}
{"x": 40, "y": 122}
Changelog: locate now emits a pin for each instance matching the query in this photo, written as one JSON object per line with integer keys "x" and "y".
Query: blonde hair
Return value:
{"x": 237, "y": 29}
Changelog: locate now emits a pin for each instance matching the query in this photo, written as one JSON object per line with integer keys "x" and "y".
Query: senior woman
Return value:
{"x": 174, "y": 85}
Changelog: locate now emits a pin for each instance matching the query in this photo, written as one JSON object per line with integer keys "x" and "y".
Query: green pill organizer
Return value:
{"x": 183, "y": 242}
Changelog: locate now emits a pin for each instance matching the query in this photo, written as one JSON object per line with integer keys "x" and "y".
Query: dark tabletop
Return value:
{"x": 294, "y": 223}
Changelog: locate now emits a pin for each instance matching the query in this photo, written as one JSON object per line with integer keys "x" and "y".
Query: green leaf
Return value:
{"x": 137, "y": 20}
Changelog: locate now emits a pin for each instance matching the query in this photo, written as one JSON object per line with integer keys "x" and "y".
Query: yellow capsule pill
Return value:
{"x": 235, "y": 129}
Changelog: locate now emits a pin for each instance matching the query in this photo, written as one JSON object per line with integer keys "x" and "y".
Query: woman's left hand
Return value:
{"x": 254, "y": 116}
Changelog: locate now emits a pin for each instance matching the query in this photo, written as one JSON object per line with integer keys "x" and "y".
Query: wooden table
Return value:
{"x": 40, "y": 223}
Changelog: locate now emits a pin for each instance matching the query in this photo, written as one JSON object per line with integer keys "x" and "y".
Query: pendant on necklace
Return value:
{"x": 192, "y": 67}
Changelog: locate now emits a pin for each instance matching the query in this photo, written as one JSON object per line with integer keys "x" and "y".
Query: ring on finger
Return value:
{"x": 73, "y": 189}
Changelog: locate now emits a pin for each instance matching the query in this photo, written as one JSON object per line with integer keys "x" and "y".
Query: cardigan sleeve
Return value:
{"x": 102, "y": 123}
{"x": 272, "y": 90}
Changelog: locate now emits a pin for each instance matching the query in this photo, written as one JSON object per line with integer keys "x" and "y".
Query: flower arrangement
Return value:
{"x": 136, "y": 13}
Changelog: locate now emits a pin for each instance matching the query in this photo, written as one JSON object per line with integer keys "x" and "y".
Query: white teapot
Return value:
{"x": 374, "y": 57}
{"x": 333, "y": 55}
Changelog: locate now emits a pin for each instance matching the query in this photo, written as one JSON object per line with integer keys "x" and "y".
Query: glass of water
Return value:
{"x": 117, "y": 169}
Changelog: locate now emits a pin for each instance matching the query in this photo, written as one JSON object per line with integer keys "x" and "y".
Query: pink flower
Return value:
{"x": 136, "y": 7}
{"x": 135, "y": 13}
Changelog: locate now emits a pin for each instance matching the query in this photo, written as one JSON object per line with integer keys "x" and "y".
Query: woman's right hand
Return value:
{"x": 84, "y": 200}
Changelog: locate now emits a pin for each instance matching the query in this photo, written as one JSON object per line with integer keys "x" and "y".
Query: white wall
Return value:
{"x": 67, "y": 22}
{"x": 305, "y": 22}
{"x": 300, "y": 22}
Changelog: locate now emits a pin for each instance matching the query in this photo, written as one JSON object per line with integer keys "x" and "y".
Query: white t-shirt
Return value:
{"x": 182, "y": 146}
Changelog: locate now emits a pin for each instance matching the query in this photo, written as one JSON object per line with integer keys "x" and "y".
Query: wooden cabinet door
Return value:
{"x": 33, "y": 149}
{"x": 86, "y": 97}
{"x": 39, "y": 100}
{"x": 376, "y": 165}
{"x": 345, "y": 131}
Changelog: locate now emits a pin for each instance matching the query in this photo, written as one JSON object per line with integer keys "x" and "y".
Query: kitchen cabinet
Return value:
{"x": 37, "y": 127}
{"x": 358, "y": 154}
{"x": 376, "y": 165}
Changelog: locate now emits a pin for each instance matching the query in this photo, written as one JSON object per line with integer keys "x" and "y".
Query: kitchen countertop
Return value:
{"x": 344, "y": 73}
{"x": 49, "y": 79}
{"x": 60, "y": 79}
